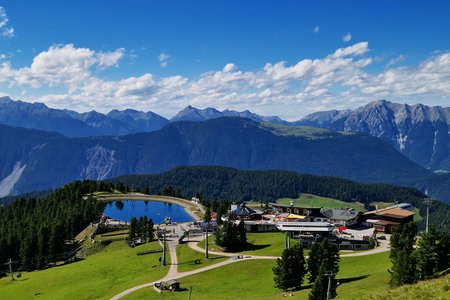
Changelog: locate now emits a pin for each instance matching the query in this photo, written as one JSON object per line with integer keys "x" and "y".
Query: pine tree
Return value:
{"x": 320, "y": 286}
{"x": 426, "y": 254}
{"x": 290, "y": 269}
{"x": 402, "y": 255}
{"x": 242, "y": 234}
{"x": 150, "y": 229}
{"x": 314, "y": 261}
{"x": 133, "y": 230}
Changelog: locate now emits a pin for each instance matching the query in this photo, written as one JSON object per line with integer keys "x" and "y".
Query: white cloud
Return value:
{"x": 347, "y": 38}
{"x": 316, "y": 29}
{"x": 110, "y": 59}
{"x": 65, "y": 75}
{"x": 396, "y": 60}
{"x": 5, "y": 29}
{"x": 229, "y": 68}
{"x": 163, "y": 59}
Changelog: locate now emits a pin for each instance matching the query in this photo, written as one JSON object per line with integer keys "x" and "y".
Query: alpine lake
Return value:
{"x": 155, "y": 210}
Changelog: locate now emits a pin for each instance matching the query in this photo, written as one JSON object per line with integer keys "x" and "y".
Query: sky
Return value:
{"x": 285, "y": 58}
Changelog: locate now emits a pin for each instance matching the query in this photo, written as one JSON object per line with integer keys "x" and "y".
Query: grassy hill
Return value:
{"x": 309, "y": 200}
{"x": 99, "y": 276}
{"x": 437, "y": 289}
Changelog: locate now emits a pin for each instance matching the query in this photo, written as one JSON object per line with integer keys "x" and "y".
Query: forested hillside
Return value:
{"x": 220, "y": 183}
{"x": 34, "y": 231}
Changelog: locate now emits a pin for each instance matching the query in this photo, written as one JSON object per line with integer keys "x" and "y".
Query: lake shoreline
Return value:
{"x": 190, "y": 207}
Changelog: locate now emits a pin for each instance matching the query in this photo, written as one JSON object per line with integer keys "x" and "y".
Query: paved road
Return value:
{"x": 174, "y": 274}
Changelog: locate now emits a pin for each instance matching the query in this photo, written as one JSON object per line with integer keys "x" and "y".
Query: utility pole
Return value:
{"x": 190, "y": 292}
{"x": 164, "y": 247}
{"x": 427, "y": 203}
{"x": 206, "y": 242}
{"x": 329, "y": 274}
{"x": 288, "y": 241}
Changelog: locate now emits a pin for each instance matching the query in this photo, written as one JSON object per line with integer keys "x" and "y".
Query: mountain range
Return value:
{"x": 37, "y": 160}
{"x": 115, "y": 123}
{"x": 420, "y": 132}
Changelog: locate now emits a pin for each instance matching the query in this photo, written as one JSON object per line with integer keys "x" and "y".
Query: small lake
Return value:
{"x": 157, "y": 211}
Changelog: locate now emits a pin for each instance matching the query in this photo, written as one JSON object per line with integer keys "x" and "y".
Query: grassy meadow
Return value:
{"x": 308, "y": 200}
{"x": 254, "y": 280}
{"x": 100, "y": 276}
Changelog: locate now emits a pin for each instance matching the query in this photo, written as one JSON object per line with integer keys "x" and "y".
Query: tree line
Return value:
{"x": 232, "y": 185}
{"x": 418, "y": 257}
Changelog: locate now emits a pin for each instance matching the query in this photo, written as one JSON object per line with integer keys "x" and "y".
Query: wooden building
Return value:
{"x": 383, "y": 220}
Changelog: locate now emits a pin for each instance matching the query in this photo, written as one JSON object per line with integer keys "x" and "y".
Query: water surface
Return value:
{"x": 157, "y": 211}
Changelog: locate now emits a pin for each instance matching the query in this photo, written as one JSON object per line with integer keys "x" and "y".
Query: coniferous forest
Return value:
{"x": 35, "y": 233}
{"x": 228, "y": 184}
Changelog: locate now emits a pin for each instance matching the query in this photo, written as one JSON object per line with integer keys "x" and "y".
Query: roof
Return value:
{"x": 172, "y": 281}
{"x": 339, "y": 214}
{"x": 381, "y": 222}
{"x": 294, "y": 216}
{"x": 403, "y": 205}
{"x": 394, "y": 212}
{"x": 243, "y": 210}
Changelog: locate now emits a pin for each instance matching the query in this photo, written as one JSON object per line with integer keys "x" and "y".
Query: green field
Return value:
{"x": 308, "y": 200}
{"x": 263, "y": 244}
{"x": 100, "y": 276}
{"x": 254, "y": 280}
{"x": 187, "y": 257}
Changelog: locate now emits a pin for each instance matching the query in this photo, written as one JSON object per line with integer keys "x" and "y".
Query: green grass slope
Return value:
{"x": 100, "y": 276}
{"x": 254, "y": 280}
{"x": 309, "y": 200}
{"x": 437, "y": 289}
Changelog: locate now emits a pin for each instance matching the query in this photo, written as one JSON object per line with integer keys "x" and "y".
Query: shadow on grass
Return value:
{"x": 200, "y": 261}
{"x": 351, "y": 279}
{"x": 253, "y": 247}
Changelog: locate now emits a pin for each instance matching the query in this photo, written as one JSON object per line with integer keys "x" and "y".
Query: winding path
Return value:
{"x": 174, "y": 274}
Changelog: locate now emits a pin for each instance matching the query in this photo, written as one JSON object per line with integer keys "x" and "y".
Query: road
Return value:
{"x": 174, "y": 274}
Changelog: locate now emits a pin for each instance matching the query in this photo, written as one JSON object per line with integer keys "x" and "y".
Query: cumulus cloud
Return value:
{"x": 5, "y": 29}
{"x": 163, "y": 59}
{"x": 337, "y": 80}
{"x": 110, "y": 59}
{"x": 347, "y": 38}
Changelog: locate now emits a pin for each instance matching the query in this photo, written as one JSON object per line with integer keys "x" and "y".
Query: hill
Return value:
{"x": 37, "y": 160}
{"x": 438, "y": 289}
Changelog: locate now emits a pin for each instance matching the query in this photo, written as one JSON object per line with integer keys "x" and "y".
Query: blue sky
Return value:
{"x": 287, "y": 58}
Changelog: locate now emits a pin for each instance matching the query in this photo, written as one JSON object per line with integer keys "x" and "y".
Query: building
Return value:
{"x": 323, "y": 228}
{"x": 242, "y": 212}
{"x": 344, "y": 217}
{"x": 383, "y": 220}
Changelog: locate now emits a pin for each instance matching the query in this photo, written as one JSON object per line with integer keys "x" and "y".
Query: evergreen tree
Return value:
{"x": 242, "y": 234}
{"x": 290, "y": 269}
{"x": 133, "y": 230}
{"x": 314, "y": 261}
{"x": 442, "y": 249}
{"x": 146, "y": 190}
{"x": 320, "y": 286}
{"x": 323, "y": 258}
{"x": 150, "y": 229}
{"x": 402, "y": 255}
{"x": 427, "y": 254}
{"x": 207, "y": 215}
